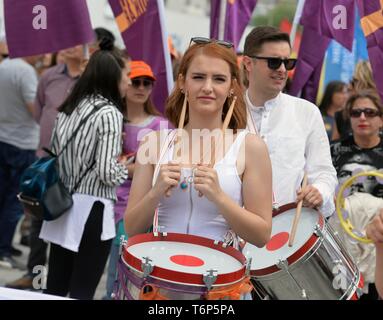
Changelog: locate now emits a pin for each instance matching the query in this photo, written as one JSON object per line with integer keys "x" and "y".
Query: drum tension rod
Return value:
{"x": 146, "y": 266}
{"x": 284, "y": 265}
{"x": 318, "y": 232}
{"x": 210, "y": 278}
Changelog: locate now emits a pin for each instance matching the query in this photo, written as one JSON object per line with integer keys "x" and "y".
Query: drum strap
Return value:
{"x": 251, "y": 126}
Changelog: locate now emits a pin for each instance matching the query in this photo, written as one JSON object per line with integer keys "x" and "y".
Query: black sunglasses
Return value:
{"x": 274, "y": 63}
{"x": 202, "y": 40}
{"x": 147, "y": 83}
{"x": 368, "y": 113}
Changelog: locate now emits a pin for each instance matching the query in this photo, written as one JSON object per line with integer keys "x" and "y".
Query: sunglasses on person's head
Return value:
{"x": 368, "y": 113}
{"x": 274, "y": 63}
{"x": 202, "y": 40}
{"x": 147, "y": 83}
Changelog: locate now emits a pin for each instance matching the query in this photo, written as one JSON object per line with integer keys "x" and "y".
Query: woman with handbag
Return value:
{"x": 81, "y": 238}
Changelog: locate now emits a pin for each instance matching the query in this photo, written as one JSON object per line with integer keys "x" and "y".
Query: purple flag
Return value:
{"x": 322, "y": 20}
{"x": 142, "y": 27}
{"x": 229, "y": 18}
{"x": 332, "y": 19}
{"x": 42, "y": 26}
{"x": 307, "y": 73}
{"x": 371, "y": 13}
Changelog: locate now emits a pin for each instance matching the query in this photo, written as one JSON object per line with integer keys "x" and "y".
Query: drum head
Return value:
{"x": 184, "y": 259}
{"x": 277, "y": 248}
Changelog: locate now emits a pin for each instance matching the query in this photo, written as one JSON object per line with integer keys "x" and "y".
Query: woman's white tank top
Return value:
{"x": 185, "y": 212}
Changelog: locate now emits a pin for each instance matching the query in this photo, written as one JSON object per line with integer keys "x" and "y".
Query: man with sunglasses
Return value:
{"x": 292, "y": 128}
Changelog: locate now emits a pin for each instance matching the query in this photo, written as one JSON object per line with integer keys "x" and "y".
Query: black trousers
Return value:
{"x": 78, "y": 273}
{"x": 38, "y": 254}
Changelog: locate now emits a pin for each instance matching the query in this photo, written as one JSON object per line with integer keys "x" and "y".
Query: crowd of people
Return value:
{"x": 268, "y": 142}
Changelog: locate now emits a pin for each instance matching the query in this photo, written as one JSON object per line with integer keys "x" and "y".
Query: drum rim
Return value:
{"x": 297, "y": 255}
{"x": 184, "y": 277}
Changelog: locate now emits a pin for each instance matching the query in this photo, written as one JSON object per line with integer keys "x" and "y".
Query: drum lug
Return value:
{"x": 283, "y": 265}
{"x": 146, "y": 266}
{"x": 122, "y": 243}
{"x": 210, "y": 278}
{"x": 158, "y": 230}
{"x": 318, "y": 231}
{"x": 359, "y": 292}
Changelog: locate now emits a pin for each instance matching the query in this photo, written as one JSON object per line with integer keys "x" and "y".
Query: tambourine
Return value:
{"x": 340, "y": 205}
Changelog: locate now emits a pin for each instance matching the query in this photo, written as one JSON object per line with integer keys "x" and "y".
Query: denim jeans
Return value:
{"x": 13, "y": 162}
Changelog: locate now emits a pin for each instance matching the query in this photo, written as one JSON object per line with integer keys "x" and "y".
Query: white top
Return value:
{"x": 185, "y": 212}
{"x": 294, "y": 133}
{"x": 67, "y": 230}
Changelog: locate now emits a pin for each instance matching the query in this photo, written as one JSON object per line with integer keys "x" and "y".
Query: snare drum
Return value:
{"x": 316, "y": 267}
{"x": 181, "y": 267}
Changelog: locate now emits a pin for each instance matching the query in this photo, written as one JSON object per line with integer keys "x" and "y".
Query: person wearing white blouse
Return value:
{"x": 291, "y": 127}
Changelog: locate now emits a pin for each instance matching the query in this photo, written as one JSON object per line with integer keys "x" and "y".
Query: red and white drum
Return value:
{"x": 179, "y": 266}
{"x": 316, "y": 267}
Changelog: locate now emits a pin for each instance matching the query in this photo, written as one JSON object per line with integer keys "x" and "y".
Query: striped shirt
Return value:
{"x": 96, "y": 145}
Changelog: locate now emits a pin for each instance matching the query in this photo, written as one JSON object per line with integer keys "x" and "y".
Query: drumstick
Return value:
{"x": 224, "y": 127}
{"x": 297, "y": 215}
{"x": 181, "y": 123}
{"x": 226, "y": 123}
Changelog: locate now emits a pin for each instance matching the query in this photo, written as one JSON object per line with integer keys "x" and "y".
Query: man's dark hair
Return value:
{"x": 259, "y": 35}
{"x": 104, "y": 33}
{"x": 102, "y": 76}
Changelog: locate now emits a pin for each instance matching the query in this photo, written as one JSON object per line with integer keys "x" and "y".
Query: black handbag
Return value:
{"x": 43, "y": 194}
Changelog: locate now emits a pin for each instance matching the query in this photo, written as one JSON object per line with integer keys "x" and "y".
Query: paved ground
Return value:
{"x": 7, "y": 275}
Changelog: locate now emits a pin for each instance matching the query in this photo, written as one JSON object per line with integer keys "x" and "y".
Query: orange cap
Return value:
{"x": 140, "y": 69}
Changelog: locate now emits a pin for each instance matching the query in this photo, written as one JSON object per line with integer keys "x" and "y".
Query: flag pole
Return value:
{"x": 222, "y": 20}
{"x": 165, "y": 47}
{"x": 297, "y": 18}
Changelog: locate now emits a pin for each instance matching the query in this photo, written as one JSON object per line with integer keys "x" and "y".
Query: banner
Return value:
{"x": 322, "y": 20}
{"x": 42, "y": 26}
{"x": 371, "y": 13}
{"x": 229, "y": 18}
{"x": 142, "y": 27}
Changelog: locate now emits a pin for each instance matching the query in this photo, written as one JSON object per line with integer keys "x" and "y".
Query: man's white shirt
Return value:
{"x": 294, "y": 133}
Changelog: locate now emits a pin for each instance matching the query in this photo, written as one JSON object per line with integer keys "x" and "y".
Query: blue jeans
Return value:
{"x": 112, "y": 270}
{"x": 13, "y": 162}
{"x": 113, "y": 259}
